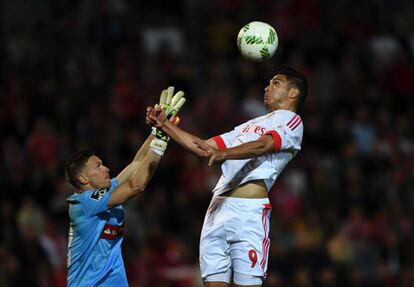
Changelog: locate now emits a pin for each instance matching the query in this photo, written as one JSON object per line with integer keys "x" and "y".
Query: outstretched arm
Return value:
{"x": 265, "y": 144}
{"x": 157, "y": 117}
{"x": 139, "y": 157}
{"x": 188, "y": 141}
{"x": 135, "y": 177}
{"x": 171, "y": 104}
{"x": 141, "y": 174}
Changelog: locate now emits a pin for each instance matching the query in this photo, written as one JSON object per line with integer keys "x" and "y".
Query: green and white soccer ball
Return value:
{"x": 257, "y": 41}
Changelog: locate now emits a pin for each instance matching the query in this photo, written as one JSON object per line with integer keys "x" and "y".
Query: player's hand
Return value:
{"x": 218, "y": 155}
{"x": 147, "y": 118}
{"x": 156, "y": 117}
{"x": 209, "y": 151}
{"x": 167, "y": 109}
{"x": 169, "y": 103}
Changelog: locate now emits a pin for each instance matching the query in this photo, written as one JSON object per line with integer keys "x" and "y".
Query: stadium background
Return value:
{"x": 77, "y": 74}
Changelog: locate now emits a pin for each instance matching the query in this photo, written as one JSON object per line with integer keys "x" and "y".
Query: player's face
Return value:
{"x": 276, "y": 92}
{"x": 96, "y": 173}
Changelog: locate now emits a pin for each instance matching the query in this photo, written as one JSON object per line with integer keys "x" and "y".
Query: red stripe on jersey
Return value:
{"x": 268, "y": 206}
{"x": 294, "y": 122}
{"x": 263, "y": 265}
{"x": 266, "y": 241}
{"x": 220, "y": 142}
{"x": 264, "y": 238}
{"x": 111, "y": 232}
{"x": 297, "y": 124}
{"x": 276, "y": 138}
{"x": 292, "y": 119}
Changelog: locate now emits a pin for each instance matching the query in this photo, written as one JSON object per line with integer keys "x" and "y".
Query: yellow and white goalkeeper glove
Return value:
{"x": 171, "y": 105}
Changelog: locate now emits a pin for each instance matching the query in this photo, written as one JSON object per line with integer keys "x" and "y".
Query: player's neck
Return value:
{"x": 290, "y": 106}
{"x": 84, "y": 188}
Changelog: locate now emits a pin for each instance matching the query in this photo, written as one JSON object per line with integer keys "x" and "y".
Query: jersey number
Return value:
{"x": 253, "y": 257}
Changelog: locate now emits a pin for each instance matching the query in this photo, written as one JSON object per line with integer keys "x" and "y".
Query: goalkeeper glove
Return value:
{"x": 161, "y": 139}
{"x": 171, "y": 105}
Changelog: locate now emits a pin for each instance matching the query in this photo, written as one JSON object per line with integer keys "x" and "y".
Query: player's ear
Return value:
{"x": 293, "y": 93}
{"x": 83, "y": 179}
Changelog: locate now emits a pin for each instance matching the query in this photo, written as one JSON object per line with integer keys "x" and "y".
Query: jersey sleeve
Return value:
{"x": 287, "y": 132}
{"x": 96, "y": 201}
{"x": 226, "y": 140}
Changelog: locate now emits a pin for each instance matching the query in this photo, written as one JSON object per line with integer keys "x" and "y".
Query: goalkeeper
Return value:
{"x": 95, "y": 209}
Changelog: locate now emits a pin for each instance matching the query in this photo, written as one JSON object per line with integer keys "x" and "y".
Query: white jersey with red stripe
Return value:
{"x": 284, "y": 126}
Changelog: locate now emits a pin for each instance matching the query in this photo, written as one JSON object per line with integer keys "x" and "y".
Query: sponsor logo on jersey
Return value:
{"x": 254, "y": 129}
{"x": 99, "y": 193}
{"x": 112, "y": 231}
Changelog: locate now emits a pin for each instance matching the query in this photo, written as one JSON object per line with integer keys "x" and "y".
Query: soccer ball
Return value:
{"x": 257, "y": 41}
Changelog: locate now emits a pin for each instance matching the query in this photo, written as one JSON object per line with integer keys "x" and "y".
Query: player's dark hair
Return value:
{"x": 74, "y": 165}
{"x": 296, "y": 79}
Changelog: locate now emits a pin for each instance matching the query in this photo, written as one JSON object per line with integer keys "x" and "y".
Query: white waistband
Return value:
{"x": 241, "y": 200}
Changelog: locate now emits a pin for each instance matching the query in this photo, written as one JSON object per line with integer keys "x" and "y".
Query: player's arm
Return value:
{"x": 139, "y": 157}
{"x": 171, "y": 104}
{"x": 265, "y": 144}
{"x": 140, "y": 177}
{"x": 189, "y": 141}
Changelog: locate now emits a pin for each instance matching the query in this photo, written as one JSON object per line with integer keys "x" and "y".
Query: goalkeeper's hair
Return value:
{"x": 296, "y": 79}
{"x": 74, "y": 166}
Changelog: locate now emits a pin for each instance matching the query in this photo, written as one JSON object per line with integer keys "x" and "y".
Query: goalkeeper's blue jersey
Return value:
{"x": 95, "y": 238}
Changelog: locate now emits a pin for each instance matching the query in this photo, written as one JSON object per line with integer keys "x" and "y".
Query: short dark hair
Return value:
{"x": 74, "y": 165}
{"x": 297, "y": 79}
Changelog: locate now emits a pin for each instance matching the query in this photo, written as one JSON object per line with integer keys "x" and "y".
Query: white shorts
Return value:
{"x": 235, "y": 236}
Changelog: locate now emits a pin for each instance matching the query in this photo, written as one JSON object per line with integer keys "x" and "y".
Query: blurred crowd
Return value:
{"x": 79, "y": 74}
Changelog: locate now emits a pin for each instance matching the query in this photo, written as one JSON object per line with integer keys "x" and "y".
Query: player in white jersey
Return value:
{"x": 234, "y": 243}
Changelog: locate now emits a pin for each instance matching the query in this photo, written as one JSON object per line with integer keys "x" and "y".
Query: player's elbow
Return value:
{"x": 137, "y": 186}
{"x": 261, "y": 149}
{"x": 259, "y": 152}
{"x": 140, "y": 178}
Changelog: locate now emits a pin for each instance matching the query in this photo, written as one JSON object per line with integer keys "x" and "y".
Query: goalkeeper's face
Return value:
{"x": 276, "y": 93}
{"x": 95, "y": 174}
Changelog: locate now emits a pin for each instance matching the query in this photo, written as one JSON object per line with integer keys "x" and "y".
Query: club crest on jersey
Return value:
{"x": 99, "y": 193}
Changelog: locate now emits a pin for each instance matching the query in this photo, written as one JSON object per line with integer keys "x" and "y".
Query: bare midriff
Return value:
{"x": 251, "y": 189}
